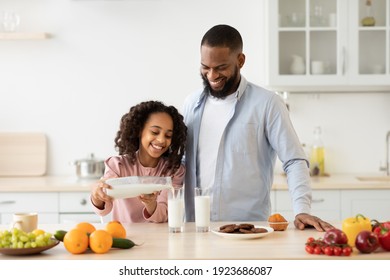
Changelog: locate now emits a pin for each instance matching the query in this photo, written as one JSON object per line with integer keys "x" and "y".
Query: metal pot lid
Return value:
{"x": 90, "y": 159}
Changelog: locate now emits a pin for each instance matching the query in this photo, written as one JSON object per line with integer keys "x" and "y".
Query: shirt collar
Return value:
{"x": 241, "y": 87}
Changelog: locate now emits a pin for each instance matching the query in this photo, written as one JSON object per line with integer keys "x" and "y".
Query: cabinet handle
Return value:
{"x": 8, "y": 202}
{"x": 83, "y": 201}
{"x": 318, "y": 200}
{"x": 343, "y": 55}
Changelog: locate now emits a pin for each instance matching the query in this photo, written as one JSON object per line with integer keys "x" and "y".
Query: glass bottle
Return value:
{"x": 317, "y": 155}
{"x": 369, "y": 19}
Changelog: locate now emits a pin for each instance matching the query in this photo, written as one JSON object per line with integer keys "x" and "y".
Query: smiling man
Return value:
{"x": 235, "y": 131}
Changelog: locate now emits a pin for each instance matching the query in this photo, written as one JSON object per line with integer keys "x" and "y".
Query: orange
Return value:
{"x": 86, "y": 227}
{"x": 100, "y": 241}
{"x": 76, "y": 241}
{"x": 116, "y": 229}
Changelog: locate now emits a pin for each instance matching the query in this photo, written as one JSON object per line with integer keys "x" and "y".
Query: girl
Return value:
{"x": 151, "y": 142}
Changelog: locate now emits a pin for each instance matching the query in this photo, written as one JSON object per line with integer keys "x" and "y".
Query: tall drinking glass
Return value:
{"x": 202, "y": 211}
{"x": 176, "y": 209}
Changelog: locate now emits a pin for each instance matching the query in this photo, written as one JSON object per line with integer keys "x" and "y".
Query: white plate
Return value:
{"x": 133, "y": 186}
{"x": 244, "y": 235}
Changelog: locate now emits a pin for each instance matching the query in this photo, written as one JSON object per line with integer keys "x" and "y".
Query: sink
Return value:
{"x": 374, "y": 178}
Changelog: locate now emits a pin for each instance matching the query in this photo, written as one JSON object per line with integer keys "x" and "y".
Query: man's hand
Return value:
{"x": 303, "y": 221}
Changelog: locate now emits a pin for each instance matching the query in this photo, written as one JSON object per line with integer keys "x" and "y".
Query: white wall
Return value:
{"x": 106, "y": 56}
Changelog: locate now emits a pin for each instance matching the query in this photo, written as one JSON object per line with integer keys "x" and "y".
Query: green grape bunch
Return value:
{"x": 18, "y": 239}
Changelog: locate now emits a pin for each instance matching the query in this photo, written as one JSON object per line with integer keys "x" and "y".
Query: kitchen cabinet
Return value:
{"x": 44, "y": 203}
{"x": 52, "y": 207}
{"x": 338, "y": 53}
{"x": 375, "y": 204}
{"x": 325, "y": 204}
{"x": 75, "y": 207}
{"x": 334, "y": 205}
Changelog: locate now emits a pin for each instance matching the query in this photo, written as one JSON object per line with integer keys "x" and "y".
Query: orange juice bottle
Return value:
{"x": 317, "y": 154}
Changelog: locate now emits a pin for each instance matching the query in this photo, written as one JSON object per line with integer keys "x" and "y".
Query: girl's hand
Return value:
{"x": 99, "y": 196}
{"x": 149, "y": 201}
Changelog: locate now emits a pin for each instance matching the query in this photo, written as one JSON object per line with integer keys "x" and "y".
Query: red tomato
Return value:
{"x": 310, "y": 240}
{"x": 347, "y": 251}
{"x": 328, "y": 251}
{"x": 337, "y": 251}
{"x": 309, "y": 249}
{"x": 317, "y": 250}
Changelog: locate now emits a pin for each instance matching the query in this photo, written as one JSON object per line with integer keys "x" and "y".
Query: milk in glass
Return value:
{"x": 202, "y": 211}
{"x": 175, "y": 210}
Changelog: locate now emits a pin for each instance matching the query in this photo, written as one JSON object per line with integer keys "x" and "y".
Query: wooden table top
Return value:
{"x": 156, "y": 243}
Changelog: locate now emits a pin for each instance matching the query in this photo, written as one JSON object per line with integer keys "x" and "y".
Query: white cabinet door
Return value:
{"x": 76, "y": 207}
{"x": 327, "y": 35}
{"x": 369, "y": 47}
{"x": 325, "y": 204}
{"x": 303, "y": 29}
{"x": 375, "y": 204}
{"x": 75, "y": 202}
{"x": 44, "y": 203}
{"x": 80, "y": 217}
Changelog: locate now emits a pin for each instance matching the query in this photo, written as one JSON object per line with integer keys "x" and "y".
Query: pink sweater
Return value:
{"x": 131, "y": 210}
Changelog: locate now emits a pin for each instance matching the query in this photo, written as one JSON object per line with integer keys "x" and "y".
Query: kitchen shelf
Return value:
{"x": 24, "y": 36}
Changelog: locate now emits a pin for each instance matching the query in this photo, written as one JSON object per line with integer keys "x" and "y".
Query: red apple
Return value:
{"x": 335, "y": 236}
{"x": 366, "y": 242}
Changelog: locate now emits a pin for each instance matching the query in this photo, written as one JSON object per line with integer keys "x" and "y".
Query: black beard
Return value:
{"x": 228, "y": 89}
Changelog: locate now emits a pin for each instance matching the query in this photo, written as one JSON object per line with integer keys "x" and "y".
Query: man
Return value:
{"x": 235, "y": 131}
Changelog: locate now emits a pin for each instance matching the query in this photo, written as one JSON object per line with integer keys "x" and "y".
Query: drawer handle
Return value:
{"x": 8, "y": 202}
{"x": 318, "y": 200}
{"x": 83, "y": 201}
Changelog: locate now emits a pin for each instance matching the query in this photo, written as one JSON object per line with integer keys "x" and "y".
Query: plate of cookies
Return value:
{"x": 242, "y": 231}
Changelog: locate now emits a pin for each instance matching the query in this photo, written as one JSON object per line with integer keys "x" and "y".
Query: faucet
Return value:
{"x": 387, "y": 166}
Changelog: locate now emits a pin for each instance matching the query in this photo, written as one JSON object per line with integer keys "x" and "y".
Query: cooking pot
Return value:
{"x": 89, "y": 168}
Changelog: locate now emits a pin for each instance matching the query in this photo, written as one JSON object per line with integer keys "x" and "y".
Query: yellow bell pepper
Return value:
{"x": 354, "y": 225}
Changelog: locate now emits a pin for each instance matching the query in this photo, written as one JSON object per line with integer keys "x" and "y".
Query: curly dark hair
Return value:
{"x": 127, "y": 139}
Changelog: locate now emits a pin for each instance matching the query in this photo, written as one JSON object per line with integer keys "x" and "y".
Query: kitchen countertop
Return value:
{"x": 72, "y": 183}
{"x": 159, "y": 244}
{"x": 45, "y": 184}
{"x": 340, "y": 181}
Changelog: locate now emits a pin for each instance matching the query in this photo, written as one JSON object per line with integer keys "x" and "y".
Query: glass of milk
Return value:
{"x": 176, "y": 209}
{"x": 202, "y": 211}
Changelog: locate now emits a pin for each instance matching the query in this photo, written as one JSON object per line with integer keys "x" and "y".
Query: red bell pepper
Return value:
{"x": 382, "y": 230}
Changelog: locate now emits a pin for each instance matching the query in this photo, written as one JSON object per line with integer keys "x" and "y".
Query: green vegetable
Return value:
{"x": 59, "y": 235}
{"x": 121, "y": 243}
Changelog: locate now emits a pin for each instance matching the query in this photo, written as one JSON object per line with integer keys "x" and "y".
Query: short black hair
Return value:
{"x": 223, "y": 35}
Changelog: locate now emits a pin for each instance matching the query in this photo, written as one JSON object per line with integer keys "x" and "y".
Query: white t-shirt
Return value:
{"x": 216, "y": 115}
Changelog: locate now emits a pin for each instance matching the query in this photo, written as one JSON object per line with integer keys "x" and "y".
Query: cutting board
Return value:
{"x": 23, "y": 154}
